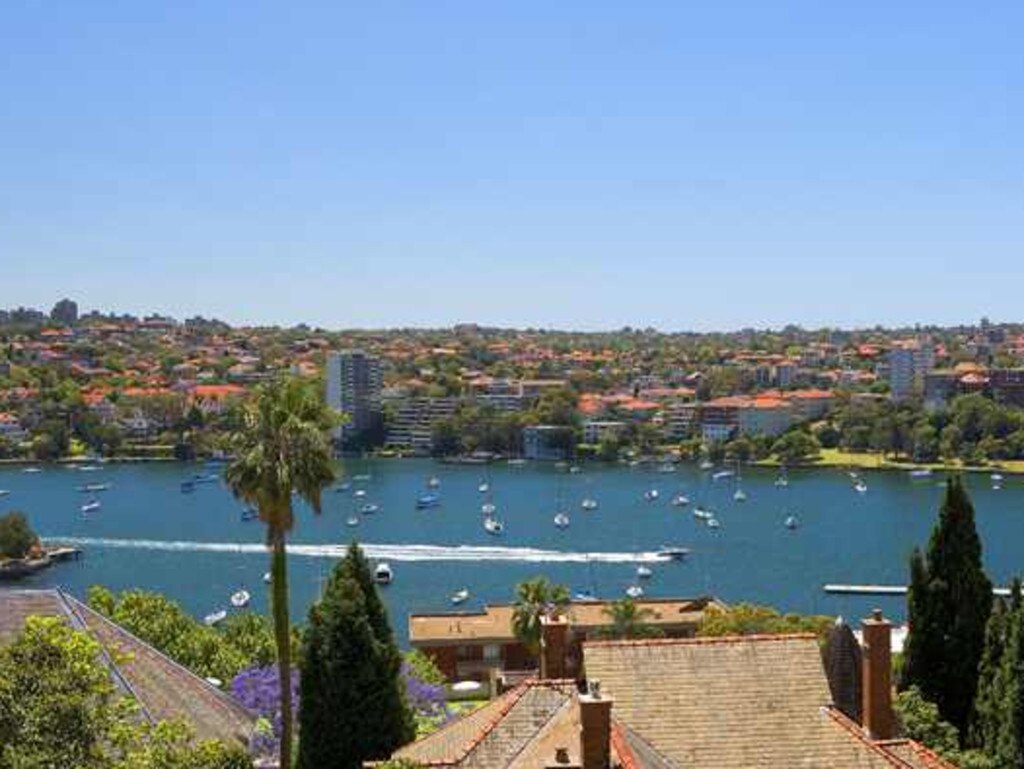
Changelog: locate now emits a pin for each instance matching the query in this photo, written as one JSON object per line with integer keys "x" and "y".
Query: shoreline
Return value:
{"x": 829, "y": 459}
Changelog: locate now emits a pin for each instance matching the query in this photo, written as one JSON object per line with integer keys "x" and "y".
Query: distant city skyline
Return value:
{"x": 584, "y": 167}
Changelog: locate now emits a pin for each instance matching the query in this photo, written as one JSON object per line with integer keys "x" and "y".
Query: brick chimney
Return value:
{"x": 876, "y": 710}
{"x": 554, "y": 636}
{"x": 595, "y": 729}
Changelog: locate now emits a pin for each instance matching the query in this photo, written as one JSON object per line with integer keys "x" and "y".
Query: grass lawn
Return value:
{"x": 868, "y": 460}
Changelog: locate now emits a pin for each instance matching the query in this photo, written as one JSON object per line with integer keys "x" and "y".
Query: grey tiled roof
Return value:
{"x": 163, "y": 688}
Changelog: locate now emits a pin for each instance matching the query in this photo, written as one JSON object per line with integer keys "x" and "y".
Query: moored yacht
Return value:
{"x": 382, "y": 574}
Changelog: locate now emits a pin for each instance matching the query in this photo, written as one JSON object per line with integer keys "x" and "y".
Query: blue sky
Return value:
{"x": 686, "y": 165}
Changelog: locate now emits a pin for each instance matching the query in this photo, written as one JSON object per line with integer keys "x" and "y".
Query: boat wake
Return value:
{"x": 397, "y": 552}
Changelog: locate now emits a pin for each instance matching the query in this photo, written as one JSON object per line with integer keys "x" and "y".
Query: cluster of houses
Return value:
{"x": 143, "y": 374}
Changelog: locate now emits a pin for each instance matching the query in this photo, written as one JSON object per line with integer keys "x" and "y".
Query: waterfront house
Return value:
{"x": 738, "y": 702}
{"x": 546, "y": 442}
{"x": 477, "y": 644}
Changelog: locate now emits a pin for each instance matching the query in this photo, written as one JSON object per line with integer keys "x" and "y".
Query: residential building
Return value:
{"x": 412, "y": 422}
{"x": 720, "y": 418}
{"x": 163, "y": 689}
{"x": 940, "y": 385}
{"x": 1007, "y": 385}
{"x": 548, "y": 442}
{"x": 534, "y": 388}
{"x": 10, "y": 427}
{"x": 738, "y": 702}
{"x": 679, "y": 420}
{"x": 810, "y": 404}
{"x": 215, "y": 398}
{"x": 600, "y": 430}
{"x": 354, "y": 382}
{"x": 909, "y": 362}
{"x": 765, "y": 416}
{"x": 477, "y": 644}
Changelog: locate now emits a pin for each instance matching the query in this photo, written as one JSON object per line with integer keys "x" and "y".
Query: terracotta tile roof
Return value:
{"x": 494, "y": 623}
{"x": 730, "y": 703}
{"x": 162, "y": 688}
{"x": 496, "y": 734}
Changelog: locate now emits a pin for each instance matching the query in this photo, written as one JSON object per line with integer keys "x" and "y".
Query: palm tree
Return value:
{"x": 536, "y": 598}
{"x": 282, "y": 448}
{"x": 629, "y": 621}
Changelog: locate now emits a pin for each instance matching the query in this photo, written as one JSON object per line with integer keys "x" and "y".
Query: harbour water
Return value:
{"x": 196, "y": 548}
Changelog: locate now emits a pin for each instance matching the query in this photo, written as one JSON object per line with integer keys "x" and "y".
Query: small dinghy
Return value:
{"x": 267, "y": 578}
{"x": 484, "y": 487}
{"x": 352, "y": 520}
{"x": 240, "y": 599}
{"x": 433, "y": 482}
{"x": 712, "y": 523}
{"x": 644, "y": 572}
{"x": 215, "y": 617}
{"x": 792, "y": 522}
{"x": 460, "y": 597}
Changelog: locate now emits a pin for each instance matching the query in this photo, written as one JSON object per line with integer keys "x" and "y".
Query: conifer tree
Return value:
{"x": 352, "y": 705}
{"x": 989, "y": 703}
{"x": 1009, "y": 725}
{"x": 948, "y": 608}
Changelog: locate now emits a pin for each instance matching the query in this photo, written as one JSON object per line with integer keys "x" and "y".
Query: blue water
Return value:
{"x": 195, "y": 548}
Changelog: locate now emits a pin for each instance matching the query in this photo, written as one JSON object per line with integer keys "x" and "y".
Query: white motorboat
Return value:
{"x": 460, "y": 596}
{"x": 433, "y": 482}
{"x": 5, "y": 492}
{"x": 702, "y": 514}
{"x": 91, "y": 505}
{"x": 860, "y": 487}
{"x": 484, "y": 487}
{"x": 240, "y": 599}
{"x": 32, "y": 470}
{"x": 94, "y": 487}
{"x": 635, "y": 591}
{"x": 651, "y": 494}
{"x": 575, "y": 469}
{"x": 352, "y": 520}
{"x": 722, "y": 474}
{"x": 740, "y": 495}
{"x": 343, "y": 486}
{"x": 369, "y": 508}
{"x": 792, "y": 522}
{"x": 215, "y": 617}
{"x": 516, "y": 462}
{"x": 644, "y": 572}
{"x": 680, "y": 500}
{"x": 493, "y": 525}
{"x": 488, "y": 508}
{"x": 673, "y": 553}
{"x": 359, "y": 493}
{"x": 666, "y": 467}
{"x": 383, "y": 575}
{"x": 924, "y": 472}
{"x": 589, "y": 504}
{"x": 267, "y": 578}
{"x": 996, "y": 478}
{"x": 707, "y": 464}
{"x": 561, "y": 520}
{"x": 712, "y": 523}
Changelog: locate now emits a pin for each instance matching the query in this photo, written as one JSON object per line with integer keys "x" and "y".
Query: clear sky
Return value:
{"x": 686, "y": 165}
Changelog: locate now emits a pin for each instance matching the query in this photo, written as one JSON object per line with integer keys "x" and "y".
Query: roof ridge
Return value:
{"x": 703, "y": 640}
{"x": 929, "y": 756}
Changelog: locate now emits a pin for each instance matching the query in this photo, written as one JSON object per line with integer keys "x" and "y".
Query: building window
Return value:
{"x": 492, "y": 653}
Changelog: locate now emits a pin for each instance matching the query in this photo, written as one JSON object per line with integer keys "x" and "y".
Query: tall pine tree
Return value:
{"x": 352, "y": 706}
{"x": 989, "y": 701}
{"x": 948, "y": 608}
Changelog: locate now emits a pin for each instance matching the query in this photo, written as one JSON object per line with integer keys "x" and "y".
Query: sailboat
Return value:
{"x": 493, "y": 526}
{"x": 792, "y": 522}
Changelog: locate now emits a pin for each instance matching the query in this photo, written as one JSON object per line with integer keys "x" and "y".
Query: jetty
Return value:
{"x": 16, "y": 568}
{"x": 836, "y": 589}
